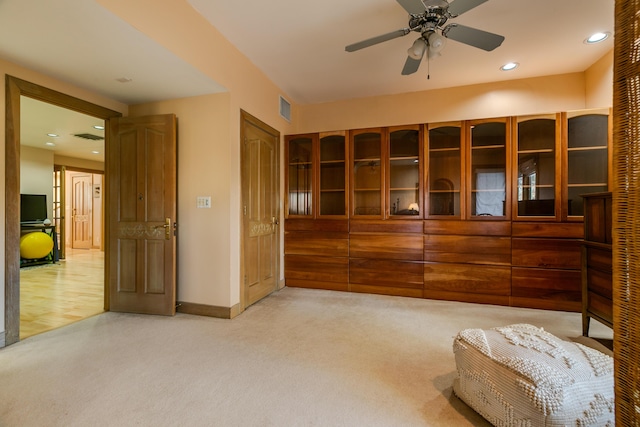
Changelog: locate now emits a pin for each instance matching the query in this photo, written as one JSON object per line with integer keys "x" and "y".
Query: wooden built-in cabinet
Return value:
{"x": 480, "y": 211}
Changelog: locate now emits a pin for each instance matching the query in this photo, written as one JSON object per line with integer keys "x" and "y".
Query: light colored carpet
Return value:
{"x": 298, "y": 358}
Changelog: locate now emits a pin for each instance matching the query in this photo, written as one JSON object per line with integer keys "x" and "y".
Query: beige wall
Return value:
{"x": 516, "y": 97}
{"x": 193, "y": 39}
{"x": 78, "y": 163}
{"x": 204, "y": 237}
{"x": 36, "y": 174}
{"x": 599, "y": 83}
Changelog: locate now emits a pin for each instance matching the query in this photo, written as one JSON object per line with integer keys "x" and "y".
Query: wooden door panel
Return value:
{"x": 126, "y": 262}
{"x": 260, "y": 199}
{"x": 81, "y": 201}
{"x": 142, "y": 215}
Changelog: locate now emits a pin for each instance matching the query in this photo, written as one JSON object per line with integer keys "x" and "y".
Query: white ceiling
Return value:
{"x": 299, "y": 45}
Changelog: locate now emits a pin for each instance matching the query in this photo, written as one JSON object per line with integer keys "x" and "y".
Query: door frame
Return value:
{"x": 246, "y": 118}
{"x": 14, "y": 88}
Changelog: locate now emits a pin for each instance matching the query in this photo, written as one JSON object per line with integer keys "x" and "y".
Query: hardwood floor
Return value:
{"x": 55, "y": 295}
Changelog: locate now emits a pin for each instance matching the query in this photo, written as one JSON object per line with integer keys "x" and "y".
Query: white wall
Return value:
{"x": 36, "y": 174}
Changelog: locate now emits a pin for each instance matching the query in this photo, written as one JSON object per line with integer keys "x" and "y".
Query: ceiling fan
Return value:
{"x": 428, "y": 17}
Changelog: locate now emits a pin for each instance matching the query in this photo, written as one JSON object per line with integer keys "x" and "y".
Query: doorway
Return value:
{"x": 15, "y": 89}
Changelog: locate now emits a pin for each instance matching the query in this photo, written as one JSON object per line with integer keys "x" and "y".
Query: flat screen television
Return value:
{"x": 33, "y": 208}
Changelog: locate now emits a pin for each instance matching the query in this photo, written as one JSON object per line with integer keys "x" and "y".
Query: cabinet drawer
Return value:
{"x": 467, "y": 278}
{"x": 546, "y": 253}
{"x": 386, "y": 246}
{"x": 319, "y": 269}
{"x": 399, "y": 274}
{"x": 600, "y": 282}
{"x": 324, "y": 225}
{"x": 385, "y": 226}
{"x": 546, "y": 289}
{"x": 468, "y": 228}
{"x": 316, "y": 243}
{"x": 600, "y": 259}
{"x": 597, "y": 223}
{"x": 565, "y": 285}
{"x": 468, "y": 249}
{"x": 600, "y": 306}
{"x": 566, "y": 230}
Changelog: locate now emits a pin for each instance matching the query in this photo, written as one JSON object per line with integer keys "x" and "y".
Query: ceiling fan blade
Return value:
{"x": 378, "y": 39}
{"x": 412, "y": 6}
{"x": 472, "y": 36}
{"x": 458, "y": 7}
{"x": 411, "y": 66}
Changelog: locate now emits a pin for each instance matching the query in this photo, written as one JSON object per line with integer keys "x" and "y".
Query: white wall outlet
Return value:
{"x": 203, "y": 202}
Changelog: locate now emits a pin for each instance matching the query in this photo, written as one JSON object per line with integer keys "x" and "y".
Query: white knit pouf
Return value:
{"x": 520, "y": 375}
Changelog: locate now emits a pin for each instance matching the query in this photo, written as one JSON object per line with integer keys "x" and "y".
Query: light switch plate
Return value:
{"x": 203, "y": 202}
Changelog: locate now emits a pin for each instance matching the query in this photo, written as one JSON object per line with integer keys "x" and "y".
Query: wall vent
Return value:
{"x": 89, "y": 136}
{"x": 285, "y": 109}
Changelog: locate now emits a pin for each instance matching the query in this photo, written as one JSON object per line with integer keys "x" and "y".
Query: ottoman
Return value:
{"x": 520, "y": 375}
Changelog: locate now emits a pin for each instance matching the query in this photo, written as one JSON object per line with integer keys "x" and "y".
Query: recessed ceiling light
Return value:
{"x": 98, "y": 127}
{"x": 53, "y": 135}
{"x": 509, "y": 66}
{"x": 597, "y": 38}
{"x": 50, "y": 144}
{"x": 95, "y": 152}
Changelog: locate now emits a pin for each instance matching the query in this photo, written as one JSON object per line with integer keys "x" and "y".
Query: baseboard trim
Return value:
{"x": 208, "y": 310}
{"x": 2, "y": 341}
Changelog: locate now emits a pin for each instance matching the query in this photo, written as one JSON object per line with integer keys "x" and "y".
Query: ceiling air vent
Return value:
{"x": 285, "y": 109}
{"x": 89, "y": 136}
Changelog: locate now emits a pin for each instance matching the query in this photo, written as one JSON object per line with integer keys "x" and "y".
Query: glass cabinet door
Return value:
{"x": 300, "y": 174}
{"x": 404, "y": 171}
{"x": 445, "y": 169}
{"x": 488, "y": 168}
{"x": 333, "y": 190}
{"x": 536, "y": 166}
{"x": 367, "y": 173}
{"x": 587, "y": 157}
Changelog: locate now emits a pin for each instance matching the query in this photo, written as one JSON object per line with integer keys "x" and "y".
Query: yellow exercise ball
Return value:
{"x": 35, "y": 245}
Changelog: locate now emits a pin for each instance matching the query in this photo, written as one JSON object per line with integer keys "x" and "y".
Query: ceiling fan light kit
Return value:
{"x": 429, "y": 18}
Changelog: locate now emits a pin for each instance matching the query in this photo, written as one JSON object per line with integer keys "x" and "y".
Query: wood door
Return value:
{"x": 81, "y": 200}
{"x": 261, "y": 213}
{"x": 141, "y": 214}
